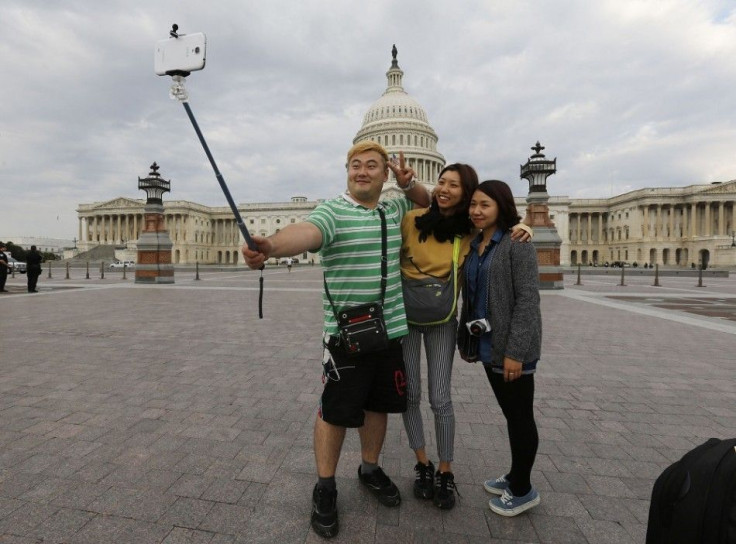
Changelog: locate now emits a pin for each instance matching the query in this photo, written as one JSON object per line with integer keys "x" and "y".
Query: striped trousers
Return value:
{"x": 439, "y": 346}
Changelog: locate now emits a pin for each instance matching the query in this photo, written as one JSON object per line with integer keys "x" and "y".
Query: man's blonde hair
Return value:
{"x": 367, "y": 145}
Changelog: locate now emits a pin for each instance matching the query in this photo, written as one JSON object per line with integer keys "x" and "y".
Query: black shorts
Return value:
{"x": 375, "y": 382}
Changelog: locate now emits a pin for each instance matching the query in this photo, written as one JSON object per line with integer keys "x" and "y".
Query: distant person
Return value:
{"x": 502, "y": 321}
{"x": 4, "y": 267}
{"x": 33, "y": 268}
{"x": 289, "y": 263}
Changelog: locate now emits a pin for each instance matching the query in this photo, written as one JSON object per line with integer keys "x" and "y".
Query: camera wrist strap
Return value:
{"x": 384, "y": 264}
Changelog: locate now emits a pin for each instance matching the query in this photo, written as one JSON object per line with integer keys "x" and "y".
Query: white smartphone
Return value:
{"x": 180, "y": 55}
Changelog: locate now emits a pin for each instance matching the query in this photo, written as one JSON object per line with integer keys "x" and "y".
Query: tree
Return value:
{"x": 17, "y": 252}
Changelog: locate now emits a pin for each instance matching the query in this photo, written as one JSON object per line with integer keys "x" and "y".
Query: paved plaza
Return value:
{"x": 172, "y": 414}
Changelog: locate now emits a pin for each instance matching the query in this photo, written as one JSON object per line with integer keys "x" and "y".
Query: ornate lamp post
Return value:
{"x": 154, "y": 246}
{"x": 546, "y": 239}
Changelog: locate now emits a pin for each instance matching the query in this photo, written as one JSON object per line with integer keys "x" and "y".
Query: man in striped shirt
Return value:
{"x": 362, "y": 390}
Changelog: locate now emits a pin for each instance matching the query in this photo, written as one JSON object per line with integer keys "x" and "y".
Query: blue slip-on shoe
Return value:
{"x": 509, "y": 505}
{"x": 497, "y": 486}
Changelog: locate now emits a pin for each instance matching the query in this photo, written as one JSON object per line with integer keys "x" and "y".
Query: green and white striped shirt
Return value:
{"x": 351, "y": 258}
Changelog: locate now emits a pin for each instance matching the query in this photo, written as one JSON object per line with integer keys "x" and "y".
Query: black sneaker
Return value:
{"x": 381, "y": 486}
{"x": 324, "y": 512}
{"x": 424, "y": 482}
{"x": 444, "y": 490}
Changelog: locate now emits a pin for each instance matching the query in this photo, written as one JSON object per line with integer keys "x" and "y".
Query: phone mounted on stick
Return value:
{"x": 178, "y": 56}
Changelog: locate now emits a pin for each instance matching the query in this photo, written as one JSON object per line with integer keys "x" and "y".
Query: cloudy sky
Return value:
{"x": 625, "y": 93}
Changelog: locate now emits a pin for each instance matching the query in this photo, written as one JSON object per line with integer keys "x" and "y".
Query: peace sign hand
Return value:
{"x": 404, "y": 174}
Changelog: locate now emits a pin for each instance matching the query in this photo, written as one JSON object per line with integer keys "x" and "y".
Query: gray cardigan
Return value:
{"x": 513, "y": 303}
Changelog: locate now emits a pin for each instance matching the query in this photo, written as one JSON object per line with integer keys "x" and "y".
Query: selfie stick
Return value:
{"x": 179, "y": 92}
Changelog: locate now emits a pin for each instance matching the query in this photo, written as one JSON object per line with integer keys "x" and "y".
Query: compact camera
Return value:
{"x": 478, "y": 327}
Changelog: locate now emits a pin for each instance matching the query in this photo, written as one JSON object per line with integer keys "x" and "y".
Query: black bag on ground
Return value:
{"x": 694, "y": 499}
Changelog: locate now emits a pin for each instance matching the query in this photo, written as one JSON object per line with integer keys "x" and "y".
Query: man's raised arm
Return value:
{"x": 289, "y": 241}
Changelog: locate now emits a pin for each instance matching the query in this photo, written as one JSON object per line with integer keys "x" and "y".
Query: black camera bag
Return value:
{"x": 362, "y": 328}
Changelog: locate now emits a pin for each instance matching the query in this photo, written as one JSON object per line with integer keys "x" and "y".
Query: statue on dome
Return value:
{"x": 394, "y": 51}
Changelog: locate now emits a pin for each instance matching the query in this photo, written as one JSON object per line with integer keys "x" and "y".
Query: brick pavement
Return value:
{"x": 172, "y": 414}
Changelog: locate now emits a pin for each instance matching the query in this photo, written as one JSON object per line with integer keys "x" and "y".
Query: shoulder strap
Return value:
{"x": 384, "y": 252}
{"x": 455, "y": 261}
{"x": 456, "y": 249}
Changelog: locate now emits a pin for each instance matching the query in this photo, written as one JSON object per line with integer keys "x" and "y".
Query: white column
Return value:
{"x": 708, "y": 226}
{"x": 693, "y": 219}
{"x": 672, "y": 222}
{"x": 645, "y": 221}
{"x": 721, "y": 217}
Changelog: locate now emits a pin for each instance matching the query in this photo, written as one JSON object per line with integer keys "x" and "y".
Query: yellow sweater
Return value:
{"x": 431, "y": 256}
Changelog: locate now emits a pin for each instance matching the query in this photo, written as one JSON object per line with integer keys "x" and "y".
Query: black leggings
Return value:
{"x": 516, "y": 399}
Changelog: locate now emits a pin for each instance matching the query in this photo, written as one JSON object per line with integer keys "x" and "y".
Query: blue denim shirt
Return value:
{"x": 477, "y": 269}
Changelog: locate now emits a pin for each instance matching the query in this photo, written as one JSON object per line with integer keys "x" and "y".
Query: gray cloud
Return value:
{"x": 626, "y": 94}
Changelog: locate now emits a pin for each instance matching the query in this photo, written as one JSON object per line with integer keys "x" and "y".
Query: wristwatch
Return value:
{"x": 409, "y": 186}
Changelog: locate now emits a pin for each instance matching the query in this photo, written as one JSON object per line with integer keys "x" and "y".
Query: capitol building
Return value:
{"x": 674, "y": 227}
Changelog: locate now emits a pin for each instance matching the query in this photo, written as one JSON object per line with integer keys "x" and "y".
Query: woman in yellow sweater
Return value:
{"x": 427, "y": 251}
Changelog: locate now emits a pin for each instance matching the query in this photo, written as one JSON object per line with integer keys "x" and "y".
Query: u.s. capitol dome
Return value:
{"x": 399, "y": 123}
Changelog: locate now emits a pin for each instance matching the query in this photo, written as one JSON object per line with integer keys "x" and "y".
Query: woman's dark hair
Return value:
{"x": 445, "y": 228}
{"x": 501, "y": 193}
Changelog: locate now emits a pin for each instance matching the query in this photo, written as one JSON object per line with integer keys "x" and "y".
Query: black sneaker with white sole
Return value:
{"x": 381, "y": 486}
{"x": 444, "y": 490}
{"x": 324, "y": 512}
{"x": 424, "y": 481}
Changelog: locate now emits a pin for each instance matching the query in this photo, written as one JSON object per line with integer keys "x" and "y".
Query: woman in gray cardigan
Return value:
{"x": 501, "y": 326}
